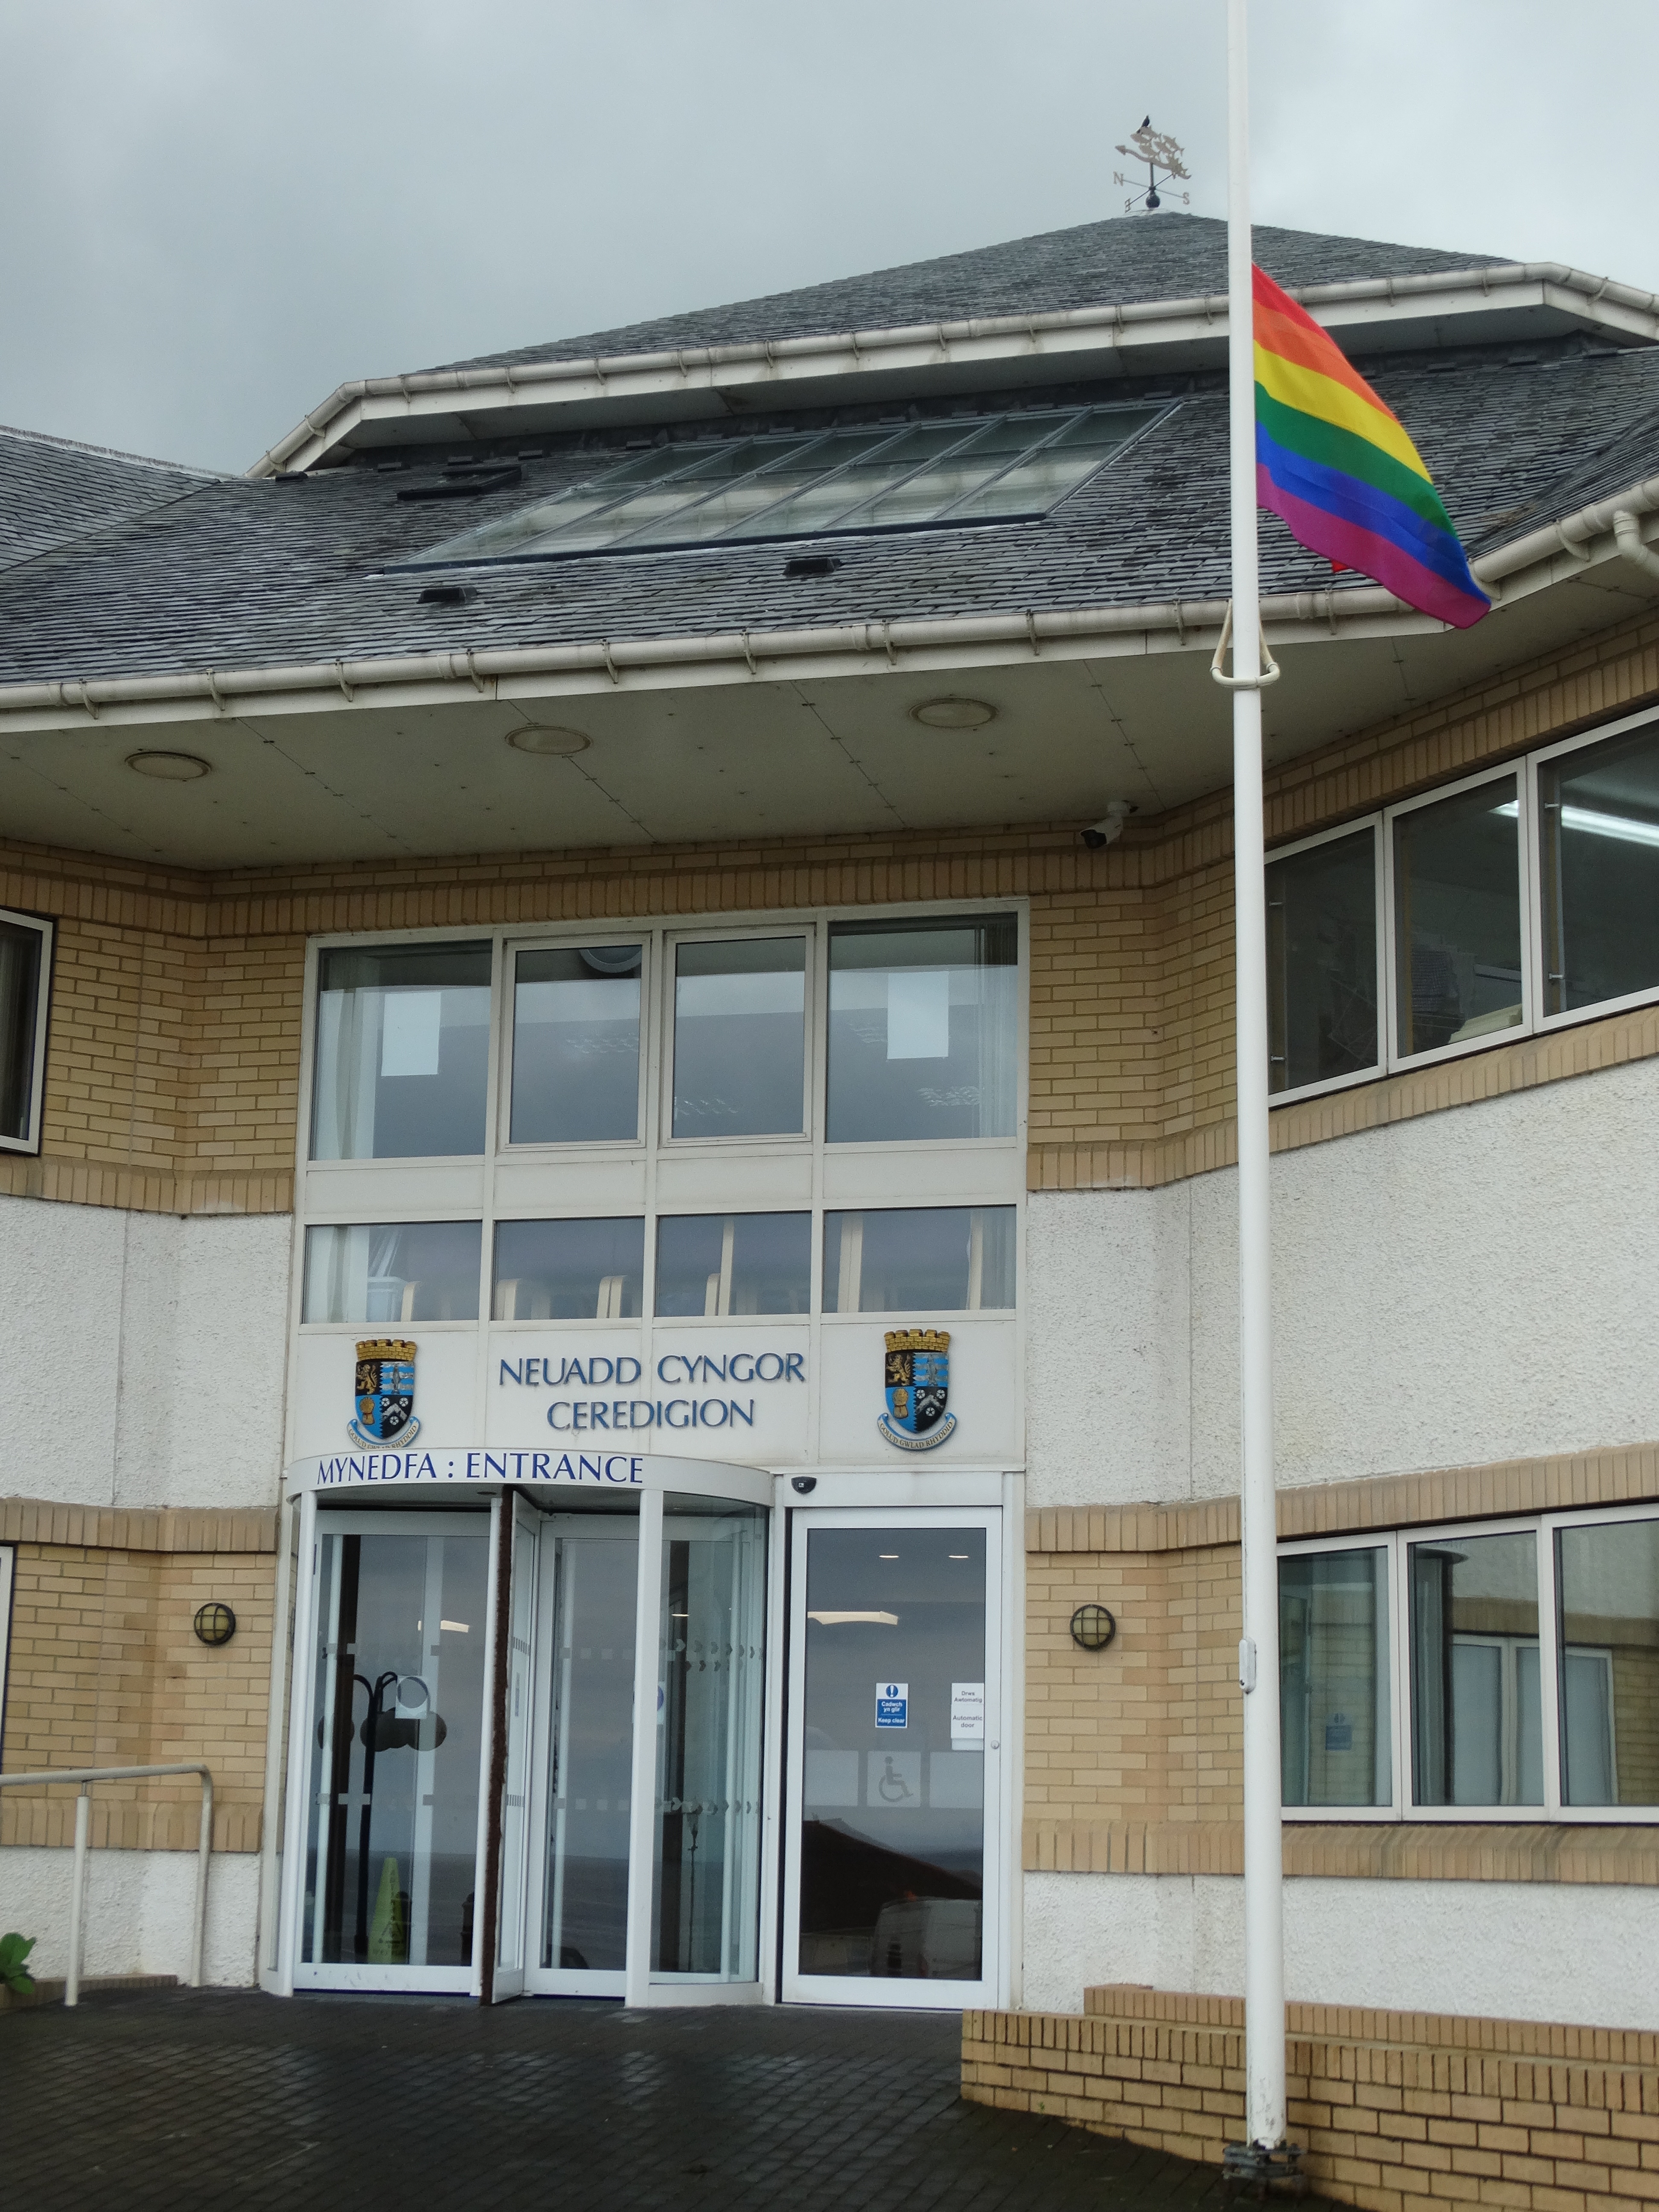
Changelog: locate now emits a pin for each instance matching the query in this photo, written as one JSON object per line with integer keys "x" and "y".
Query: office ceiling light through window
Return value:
{"x": 800, "y": 484}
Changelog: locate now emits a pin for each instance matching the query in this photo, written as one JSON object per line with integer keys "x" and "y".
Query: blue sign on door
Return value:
{"x": 893, "y": 1705}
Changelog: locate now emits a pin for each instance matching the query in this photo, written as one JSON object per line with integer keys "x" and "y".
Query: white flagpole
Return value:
{"x": 1264, "y": 1931}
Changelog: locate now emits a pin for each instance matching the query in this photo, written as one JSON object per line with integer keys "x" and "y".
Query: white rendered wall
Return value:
{"x": 1476, "y": 1285}
{"x": 143, "y": 1356}
{"x": 1555, "y": 1951}
{"x": 139, "y": 1912}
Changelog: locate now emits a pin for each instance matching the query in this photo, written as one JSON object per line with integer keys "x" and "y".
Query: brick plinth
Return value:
{"x": 1397, "y": 2112}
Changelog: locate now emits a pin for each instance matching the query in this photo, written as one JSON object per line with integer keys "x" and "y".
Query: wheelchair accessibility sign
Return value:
{"x": 893, "y": 1705}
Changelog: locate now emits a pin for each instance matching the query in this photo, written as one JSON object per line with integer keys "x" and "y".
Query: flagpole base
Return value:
{"x": 1264, "y": 2169}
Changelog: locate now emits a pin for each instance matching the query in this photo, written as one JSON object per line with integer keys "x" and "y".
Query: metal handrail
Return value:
{"x": 86, "y": 1776}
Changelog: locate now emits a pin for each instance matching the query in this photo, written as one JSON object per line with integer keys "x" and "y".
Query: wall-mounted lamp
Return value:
{"x": 214, "y": 1624}
{"x": 1092, "y": 1627}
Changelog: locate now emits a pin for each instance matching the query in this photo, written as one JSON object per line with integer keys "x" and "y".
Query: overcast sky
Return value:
{"x": 215, "y": 210}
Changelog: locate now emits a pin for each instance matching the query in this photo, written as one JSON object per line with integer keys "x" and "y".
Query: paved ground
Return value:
{"x": 190, "y": 2099}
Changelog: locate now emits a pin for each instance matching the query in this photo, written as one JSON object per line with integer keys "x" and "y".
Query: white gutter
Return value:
{"x": 1141, "y": 325}
{"x": 1557, "y": 553}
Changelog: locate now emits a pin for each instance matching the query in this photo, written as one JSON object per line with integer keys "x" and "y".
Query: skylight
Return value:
{"x": 806, "y": 484}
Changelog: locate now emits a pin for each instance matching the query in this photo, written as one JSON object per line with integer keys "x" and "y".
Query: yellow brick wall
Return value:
{"x": 1394, "y": 2112}
{"x": 174, "y": 1062}
{"x": 105, "y": 1670}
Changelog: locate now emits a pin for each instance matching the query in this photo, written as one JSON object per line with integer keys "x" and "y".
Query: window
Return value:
{"x": 569, "y": 1270}
{"x": 740, "y": 1037}
{"x": 25, "y": 961}
{"x": 1321, "y": 960}
{"x": 1457, "y": 918}
{"x": 923, "y": 1029}
{"x": 576, "y": 1044}
{"x": 952, "y": 1259}
{"x": 8, "y": 1563}
{"x": 1515, "y": 901}
{"x": 1477, "y": 1719}
{"x": 394, "y": 1271}
{"x": 1598, "y": 835}
{"x": 1334, "y": 1678}
{"x": 803, "y": 483}
{"x": 1523, "y": 1678}
{"x": 403, "y": 1052}
{"x": 735, "y": 1263}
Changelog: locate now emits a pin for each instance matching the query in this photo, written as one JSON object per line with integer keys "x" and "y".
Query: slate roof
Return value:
{"x": 1092, "y": 264}
{"x": 53, "y": 490}
{"x": 238, "y": 572}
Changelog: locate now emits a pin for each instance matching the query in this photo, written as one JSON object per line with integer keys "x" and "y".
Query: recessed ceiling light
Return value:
{"x": 169, "y": 767}
{"x": 954, "y": 713}
{"x": 535, "y": 739}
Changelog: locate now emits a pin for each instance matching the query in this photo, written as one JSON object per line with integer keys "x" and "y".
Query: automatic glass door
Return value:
{"x": 892, "y": 1881}
{"x": 583, "y": 1754}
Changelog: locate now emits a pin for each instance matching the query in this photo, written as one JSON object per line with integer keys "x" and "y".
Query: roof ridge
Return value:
{"x": 113, "y": 454}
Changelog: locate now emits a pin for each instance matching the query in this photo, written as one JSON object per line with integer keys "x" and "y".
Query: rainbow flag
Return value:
{"x": 1335, "y": 463}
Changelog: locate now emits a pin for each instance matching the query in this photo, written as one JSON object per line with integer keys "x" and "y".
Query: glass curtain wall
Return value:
{"x": 398, "y": 1694}
{"x": 710, "y": 1669}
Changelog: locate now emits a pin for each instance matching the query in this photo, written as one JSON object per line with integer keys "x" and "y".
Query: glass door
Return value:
{"x": 892, "y": 1880}
{"x": 397, "y": 1705}
{"x": 583, "y": 1754}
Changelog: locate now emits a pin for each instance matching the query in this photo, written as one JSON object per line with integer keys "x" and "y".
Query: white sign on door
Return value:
{"x": 967, "y": 1716}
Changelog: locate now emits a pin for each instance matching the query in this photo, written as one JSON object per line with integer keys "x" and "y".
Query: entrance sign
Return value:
{"x": 893, "y": 1705}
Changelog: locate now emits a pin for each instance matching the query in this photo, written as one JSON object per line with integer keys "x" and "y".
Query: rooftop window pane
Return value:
{"x": 792, "y": 484}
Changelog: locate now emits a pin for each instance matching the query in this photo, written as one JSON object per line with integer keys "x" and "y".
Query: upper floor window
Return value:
{"x": 393, "y": 1271}
{"x": 1511, "y": 902}
{"x": 740, "y": 1037}
{"x": 403, "y": 1052}
{"x": 576, "y": 1044}
{"x": 923, "y": 1029}
{"x": 904, "y": 1031}
{"x": 24, "y": 962}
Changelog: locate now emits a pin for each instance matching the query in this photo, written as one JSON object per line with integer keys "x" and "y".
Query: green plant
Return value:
{"x": 13, "y": 1949}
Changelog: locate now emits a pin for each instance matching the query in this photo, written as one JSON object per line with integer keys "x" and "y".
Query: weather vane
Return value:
{"x": 1160, "y": 152}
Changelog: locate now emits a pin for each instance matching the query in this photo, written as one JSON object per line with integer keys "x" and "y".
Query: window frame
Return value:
{"x": 1543, "y": 1528}
{"x": 46, "y": 929}
{"x": 1515, "y": 773}
{"x": 1536, "y": 950}
{"x": 1379, "y": 1067}
{"x": 504, "y": 1046}
{"x": 1531, "y": 827}
{"x": 810, "y": 931}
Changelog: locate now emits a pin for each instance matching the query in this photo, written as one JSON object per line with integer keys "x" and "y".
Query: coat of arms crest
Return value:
{"x": 383, "y": 1408}
{"x": 918, "y": 1382}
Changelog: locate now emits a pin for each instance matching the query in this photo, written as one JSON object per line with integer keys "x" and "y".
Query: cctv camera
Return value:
{"x": 1110, "y": 828}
